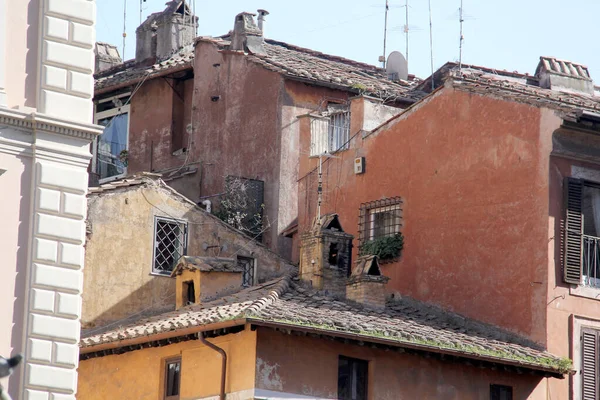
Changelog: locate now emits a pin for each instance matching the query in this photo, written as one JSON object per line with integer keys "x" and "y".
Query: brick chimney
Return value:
{"x": 165, "y": 33}
{"x": 564, "y": 75}
{"x": 246, "y": 36}
{"x": 325, "y": 255}
{"x": 106, "y": 57}
{"x": 202, "y": 279}
{"x": 366, "y": 285}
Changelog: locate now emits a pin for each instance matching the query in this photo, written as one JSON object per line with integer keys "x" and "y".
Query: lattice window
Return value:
{"x": 170, "y": 238}
{"x": 247, "y": 264}
{"x": 380, "y": 218}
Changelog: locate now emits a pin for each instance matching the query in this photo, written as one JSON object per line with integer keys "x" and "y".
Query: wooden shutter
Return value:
{"x": 573, "y": 230}
{"x": 589, "y": 364}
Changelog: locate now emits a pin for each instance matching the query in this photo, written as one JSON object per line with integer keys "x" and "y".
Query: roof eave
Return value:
{"x": 161, "y": 336}
{"x": 414, "y": 346}
{"x": 131, "y": 82}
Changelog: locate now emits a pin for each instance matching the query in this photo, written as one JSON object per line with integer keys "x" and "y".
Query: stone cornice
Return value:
{"x": 41, "y": 122}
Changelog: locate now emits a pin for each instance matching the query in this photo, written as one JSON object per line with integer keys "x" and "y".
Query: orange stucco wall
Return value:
{"x": 140, "y": 374}
{"x": 309, "y": 366}
{"x": 470, "y": 171}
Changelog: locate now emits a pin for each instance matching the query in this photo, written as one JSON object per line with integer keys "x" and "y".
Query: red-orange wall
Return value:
{"x": 474, "y": 181}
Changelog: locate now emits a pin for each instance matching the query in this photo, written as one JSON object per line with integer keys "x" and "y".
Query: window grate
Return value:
{"x": 170, "y": 237}
{"x": 247, "y": 264}
{"x": 379, "y": 218}
{"x": 330, "y": 134}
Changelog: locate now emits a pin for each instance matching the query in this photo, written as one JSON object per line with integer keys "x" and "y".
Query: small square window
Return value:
{"x": 352, "y": 378}
{"x": 170, "y": 237}
{"x": 247, "y": 264}
{"x": 172, "y": 378}
{"x": 501, "y": 392}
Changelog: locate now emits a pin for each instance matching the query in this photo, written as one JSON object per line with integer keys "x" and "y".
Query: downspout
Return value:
{"x": 223, "y": 362}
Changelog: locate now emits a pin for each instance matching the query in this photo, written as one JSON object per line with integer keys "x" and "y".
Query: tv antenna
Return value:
{"x": 387, "y": 8}
{"x": 406, "y": 29}
{"x": 431, "y": 46}
{"x": 462, "y": 38}
{"x": 320, "y": 185}
{"x": 124, "y": 25}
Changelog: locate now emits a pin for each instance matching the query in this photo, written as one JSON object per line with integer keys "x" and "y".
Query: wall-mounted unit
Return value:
{"x": 359, "y": 165}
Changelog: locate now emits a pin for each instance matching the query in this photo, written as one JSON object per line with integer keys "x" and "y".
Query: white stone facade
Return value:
{"x": 44, "y": 156}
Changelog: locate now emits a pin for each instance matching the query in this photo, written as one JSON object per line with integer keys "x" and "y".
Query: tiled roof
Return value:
{"x": 287, "y": 303}
{"x": 563, "y": 67}
{"x": 134, "y": 180}
{"x": 129, "y": 73}
{"x": 323, "y": 69}
{"x": 207, "y": 264}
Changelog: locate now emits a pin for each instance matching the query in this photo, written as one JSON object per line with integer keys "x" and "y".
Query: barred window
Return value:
{"x": 170, "y": 238}
{"x": 330, "y": 133}
{"x": 380, "y": 218}
{"x": 247, "y": 264}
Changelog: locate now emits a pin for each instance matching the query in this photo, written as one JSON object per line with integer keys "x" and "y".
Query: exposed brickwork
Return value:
{"x": 368, "y": 290}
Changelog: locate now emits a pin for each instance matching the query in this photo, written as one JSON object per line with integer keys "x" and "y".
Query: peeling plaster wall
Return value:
{"x": 118, "y": 280}
{"x": 309, "y": 367}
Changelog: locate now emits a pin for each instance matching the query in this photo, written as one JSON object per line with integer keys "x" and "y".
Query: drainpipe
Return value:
{"x": 223, "y": 363}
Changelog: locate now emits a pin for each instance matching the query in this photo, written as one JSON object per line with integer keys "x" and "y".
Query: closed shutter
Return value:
{"x": 589, "y": 364}
{"x": 573, "y": 231}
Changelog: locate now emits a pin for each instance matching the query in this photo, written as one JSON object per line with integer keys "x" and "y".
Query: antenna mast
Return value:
{"x": 460, "y": 45}
{"x": 431, "y": 45}
{"x": 406, "y": 28}
{"x": 124, "y": 26}
{"x": 387, "y": 7}
{"x": 320, "y": 189}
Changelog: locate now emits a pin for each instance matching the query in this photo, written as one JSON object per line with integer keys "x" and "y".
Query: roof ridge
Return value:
{"x": 280, "y": 288}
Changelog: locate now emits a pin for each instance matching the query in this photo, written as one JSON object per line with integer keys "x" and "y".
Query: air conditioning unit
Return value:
{"x": 359, "y": 165}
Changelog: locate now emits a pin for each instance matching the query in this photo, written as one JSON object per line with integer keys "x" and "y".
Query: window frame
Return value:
{"x": 580, "y": 324}
{"x": 252, "y": 266}
{"x": 323, "y": 131}
{"x": 494, "y": 396}
{"x": 354, "y": 361}
{"x": 184, "y": 241}
{"x": 167, "y": 362}
{"x": 367, "y": 212}
{"x": 113, "y": 112}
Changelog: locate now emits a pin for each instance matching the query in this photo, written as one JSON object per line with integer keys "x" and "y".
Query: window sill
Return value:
{"x": 585, "y": 291}
{"x": 158, "y": 274}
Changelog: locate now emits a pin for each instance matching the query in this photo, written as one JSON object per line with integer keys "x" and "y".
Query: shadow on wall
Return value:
{"x": 154, "y": 297}
{"x": 21, "y": 266}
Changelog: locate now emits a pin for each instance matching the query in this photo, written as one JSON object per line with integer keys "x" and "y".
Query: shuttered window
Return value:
{"x": 573, "y": 231}
{"x": 589, "y": 364}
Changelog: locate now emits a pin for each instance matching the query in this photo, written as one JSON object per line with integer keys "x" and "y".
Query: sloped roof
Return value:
{"x": 207, "y": 264}
{"x": 287, "y": 303}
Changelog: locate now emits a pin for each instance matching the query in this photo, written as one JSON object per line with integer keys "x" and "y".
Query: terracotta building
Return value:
{"x": 286, "y": 338}
{"x": 468, "y": 195}
{"x": 208, "y": 113}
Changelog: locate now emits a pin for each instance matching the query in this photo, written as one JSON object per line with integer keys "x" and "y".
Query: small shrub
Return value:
{"x": 386, "y": 248}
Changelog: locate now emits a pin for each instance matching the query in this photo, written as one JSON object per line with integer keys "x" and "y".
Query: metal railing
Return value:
{"x": 330, "y": 134}
{"x": 591, "y": 261}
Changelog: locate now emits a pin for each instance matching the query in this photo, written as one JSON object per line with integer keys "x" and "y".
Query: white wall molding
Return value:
{"x": 3, "y": 58}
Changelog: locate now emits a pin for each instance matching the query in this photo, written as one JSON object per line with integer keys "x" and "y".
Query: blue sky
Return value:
{"x": 509, "y": 34}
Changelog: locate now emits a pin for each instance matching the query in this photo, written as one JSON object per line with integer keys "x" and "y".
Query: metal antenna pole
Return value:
{"x": 431, "y": 46}
{"x": 461, "y": 20}
{"x": 124, "y": 26}
{"x": 387, "y": 7}
{"x": 406, "y": 28}
{"x": 320, "y": 189}
{"x": 141, "y": 11}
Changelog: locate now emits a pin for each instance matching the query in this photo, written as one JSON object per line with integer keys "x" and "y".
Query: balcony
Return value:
{"x": 591, "y": 261}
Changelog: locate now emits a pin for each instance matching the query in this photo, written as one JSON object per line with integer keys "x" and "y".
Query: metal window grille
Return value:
{"x": 172, "y": 379}
{"x": 247, "y": 264}
{"x": 330, "y": 134}
{"x": 170, "y": 238}
{"x": 379, "y": 218}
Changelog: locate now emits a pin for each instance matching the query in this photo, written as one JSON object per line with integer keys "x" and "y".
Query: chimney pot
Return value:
{"x": 261, "y": 20}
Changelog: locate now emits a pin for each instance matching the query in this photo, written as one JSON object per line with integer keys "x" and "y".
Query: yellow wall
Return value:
{"x": 118, "y": 279}
{"x": 139, "y": 374}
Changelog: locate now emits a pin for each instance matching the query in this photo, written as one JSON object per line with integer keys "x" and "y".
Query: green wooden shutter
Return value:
{"x": 573, "y": 231}
{"x": 589, "y": 364}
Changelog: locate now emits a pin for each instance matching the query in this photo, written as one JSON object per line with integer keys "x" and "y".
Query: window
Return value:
{"x": 582, "y": 233}
{"x": 330, "y": 133}
{"x": 380, "y": 218}
{"x": 501, "y": 392}
{"x": 110, "y": 149}
{"x": 590, "y": 385}
{"x": 247, "y": 264}
{"x": 352, "y": 378}
{"x": 170, "y": 238}
{"x": 172, "y": 378}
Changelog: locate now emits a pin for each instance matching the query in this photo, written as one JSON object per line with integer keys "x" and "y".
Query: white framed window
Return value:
{"x": 110, "y": 149}
{"x": 170, "y": 244}
{"x": 330, "y": 133}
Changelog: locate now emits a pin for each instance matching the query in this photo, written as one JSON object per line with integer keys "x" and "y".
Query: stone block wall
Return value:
{"x": 368, "y": 290}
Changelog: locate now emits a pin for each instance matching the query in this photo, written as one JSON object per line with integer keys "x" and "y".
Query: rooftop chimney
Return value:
{"x": 261, "y": 20}
{"x": 325, "y": 256}
{"x": 164, "y": 33}
{"x": 246, "y": 36}
{"x": 366, "y": 285}
{"x": 107, "y": 56}
{"x": 564, "y": 75}
{"x": 201, "y": 279}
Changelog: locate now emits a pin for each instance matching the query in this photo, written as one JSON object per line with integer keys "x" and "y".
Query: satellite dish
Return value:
{"x": 396, "y": 66}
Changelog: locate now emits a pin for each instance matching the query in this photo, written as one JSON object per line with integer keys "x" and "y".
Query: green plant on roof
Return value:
{"x": 386, "y": 247}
